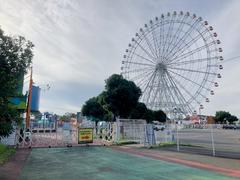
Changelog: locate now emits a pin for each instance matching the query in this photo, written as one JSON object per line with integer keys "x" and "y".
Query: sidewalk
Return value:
{"x": 12, "y": 169}
{"x": 229, "y": 167}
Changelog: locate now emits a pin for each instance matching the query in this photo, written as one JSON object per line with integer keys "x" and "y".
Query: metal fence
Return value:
{"x": 203, "y": 139}
{"x": 130, "y": 130}
{"x": 47, "y": 137}
{"x": 210, "y": 139}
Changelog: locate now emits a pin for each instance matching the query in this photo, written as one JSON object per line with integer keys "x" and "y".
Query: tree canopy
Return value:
{"x": 142, "y": 112}
{"x": 120, "y": 98}
{"x": 223, "y": 117}
{"x": 92, "y": 108}
{"x": 15, "y": 57}
{"x": 139, "y": 112}
{"x": 121, "y": 95}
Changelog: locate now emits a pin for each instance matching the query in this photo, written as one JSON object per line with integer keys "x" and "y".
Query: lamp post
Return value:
{"x": 200, "y": 108}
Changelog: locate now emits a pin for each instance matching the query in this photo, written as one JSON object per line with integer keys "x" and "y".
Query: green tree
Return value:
{"x": 149, "y": 116}
{"x": 222, "y": 116}
{"x": 93, "y": 110}
{"x": 155, "y": 116}
{"x": 159, "y": 116}
{"x": 67, "y": 116}
{"x": 121, "y": 96}
{"x": 232, "y": 119}
{"x": 15, "y": 57}
{"x": 139, "y": 112}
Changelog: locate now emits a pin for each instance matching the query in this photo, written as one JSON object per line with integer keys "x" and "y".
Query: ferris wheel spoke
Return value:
{"x": 164, "y": 96}
{"x": 144, "y": 79}
{"x": 193, "y": 82}
{"x": 157, "y": 91}
{"x": 137, "y": 63}
{"x": 186, "y": 34}
{"x": 161, "y": 37}
{"x": 177, "y": 94}
{"x": 164, "y": 86}
{"x": 146, "y": 59}
{"x": 184, "y": 101}
{"x": 192, "y": 97}
{"x": 151, "y": 87}
{"x": 149, "y": 44}
{"x": 179, "y": 29}
{"x": 155, "y": 41}
{"x": 173, "y": 101}
{"x": 191, "y": 70}
{"x": 184, "y": 46}
{"x": 141, "y": 75}
{"x": 169, "y": 36}
{"x": 189, "y": 94}
{"x": 182, "y": 56}
{"x": 137, "y": 70}
{"x": 144, "y": 50}
{"x": 172, "y": 94}
{"x": 148, "y": 81}
{"x": 164, "y": 43}
{"x": 192, "y": 61}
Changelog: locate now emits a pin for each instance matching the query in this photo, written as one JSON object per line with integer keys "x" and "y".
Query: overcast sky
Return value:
{"x": 79, "y": 43}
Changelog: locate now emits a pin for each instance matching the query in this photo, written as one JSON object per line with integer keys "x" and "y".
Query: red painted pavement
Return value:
{"x": 155, "y": 155}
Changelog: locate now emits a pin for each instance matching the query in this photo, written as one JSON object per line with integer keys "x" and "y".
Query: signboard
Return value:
{"x": 85, "y": 135}
{"x": 18, "y": 102}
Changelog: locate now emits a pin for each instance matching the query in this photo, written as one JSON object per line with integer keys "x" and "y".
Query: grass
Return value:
{"x": 5, "y": 153}
{"x": 170, "y": 144}
{"x": 166, "y": 144}
{"x": 121, "y": 143}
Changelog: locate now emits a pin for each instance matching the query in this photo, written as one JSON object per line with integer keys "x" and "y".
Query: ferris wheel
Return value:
{"x": 174, "y": 59}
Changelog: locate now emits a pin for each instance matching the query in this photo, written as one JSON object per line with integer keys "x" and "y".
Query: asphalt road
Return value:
{"x": 226, "y": 141}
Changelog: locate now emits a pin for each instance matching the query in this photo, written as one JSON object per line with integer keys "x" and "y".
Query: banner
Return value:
{"x": 85, "y": 135}
{"x": 18, "y": 102}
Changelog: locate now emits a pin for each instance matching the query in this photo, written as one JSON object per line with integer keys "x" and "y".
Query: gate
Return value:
{"x": 47, "y": 137}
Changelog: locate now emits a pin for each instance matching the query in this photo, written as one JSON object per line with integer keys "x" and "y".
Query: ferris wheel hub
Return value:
{"x": 161, "y": 67}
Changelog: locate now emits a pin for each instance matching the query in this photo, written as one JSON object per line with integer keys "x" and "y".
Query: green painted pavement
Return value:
{"x": 97, "y": 163}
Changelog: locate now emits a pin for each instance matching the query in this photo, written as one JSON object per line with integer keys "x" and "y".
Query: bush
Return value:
{"x": 5, "y": 153}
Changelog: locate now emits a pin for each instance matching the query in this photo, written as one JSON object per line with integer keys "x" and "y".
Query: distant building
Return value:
{"x": 201, "y": 119}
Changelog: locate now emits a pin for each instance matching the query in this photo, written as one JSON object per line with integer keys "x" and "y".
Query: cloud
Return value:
{"x": 81, "y": 43}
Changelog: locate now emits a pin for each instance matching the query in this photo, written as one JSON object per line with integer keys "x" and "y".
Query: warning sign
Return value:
{"x": 85, "y": 135}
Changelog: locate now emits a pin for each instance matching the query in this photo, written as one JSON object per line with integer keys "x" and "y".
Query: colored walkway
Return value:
{"x": 101, "y": 163}
{"x": 229, "y": 167}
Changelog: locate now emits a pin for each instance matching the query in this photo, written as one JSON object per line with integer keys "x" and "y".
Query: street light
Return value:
{"x": 200, "y": 107}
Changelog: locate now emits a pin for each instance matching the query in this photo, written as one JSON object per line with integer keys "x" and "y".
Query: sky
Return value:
{"x": 79, "y": 44}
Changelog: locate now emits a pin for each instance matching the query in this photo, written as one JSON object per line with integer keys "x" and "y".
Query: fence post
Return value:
{"x": 117, "y": 131}
{"x": 213, "y": 145}
{"x": 177, "y": 138}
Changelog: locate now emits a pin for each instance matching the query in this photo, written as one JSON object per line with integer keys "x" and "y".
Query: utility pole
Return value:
{"x": 29, "y": 102}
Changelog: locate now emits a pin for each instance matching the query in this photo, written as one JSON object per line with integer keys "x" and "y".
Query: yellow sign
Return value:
{"x": 85, "y": 135}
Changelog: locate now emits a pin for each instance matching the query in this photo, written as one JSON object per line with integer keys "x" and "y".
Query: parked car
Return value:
{"x": 158, "y": 127}
{"x": 231, "y": 126}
